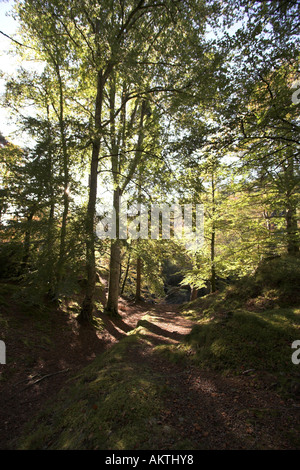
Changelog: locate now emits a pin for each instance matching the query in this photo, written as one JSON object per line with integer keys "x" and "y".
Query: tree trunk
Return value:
{"x": 126, "y": 274}
{"x": 114, "y": 265}
{"x": 113, "y": 291}
{"x": 194, "y": 294}
{"x": 50, "y": 242}
{"x": 138, "y": 279}
{"x": 115, "y": 249}
{"x": 290, "y": 214}
{"x": 63, "y": 231}
{"x": 86, "y": 312}
{"x": 114, "y": 276}
{"x": 213, "y": 239}
{"x": 27, "y": 238}
{"x": 292, "y": 231}
{"x": 51, "y": 222}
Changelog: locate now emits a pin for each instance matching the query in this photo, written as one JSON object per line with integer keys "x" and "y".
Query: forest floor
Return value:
{"x": 205, "y": 409}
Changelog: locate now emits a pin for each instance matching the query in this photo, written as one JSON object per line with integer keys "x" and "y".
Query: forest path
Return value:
{"x": 204, "y": 409}
{"x": 208, "y": 410}
{"x": 163, "y": 321}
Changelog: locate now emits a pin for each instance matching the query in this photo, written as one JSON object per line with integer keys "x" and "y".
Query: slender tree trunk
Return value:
{"x": 114, "y": 288}
{"x": 114, "y": 275}
{"x": 50, "y": 231}
{"x": 86, "y": 313}
{"x": 290, "y": 214}
{"x": 126, "y": 274}
{"x": 27, "y": 240}
{"x": 138, "y": 279}
{"x": 50, "y": 257}
{"x": 138, "y": 261}
{"x": 194, "y": 294}
{"x": 213, "y": 238}
{"x": 213, "y": 267}
{"x": 114, "y": 265}
{"x": 115, "y": 249}
{"x": 270, "y": 248}
{"x": 292, "y": 231}
{"x": 63, "y": 232}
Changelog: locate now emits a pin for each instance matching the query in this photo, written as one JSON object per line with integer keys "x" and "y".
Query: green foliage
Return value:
{"x": 283, "y": 275}
{"x": 138, "y": 97}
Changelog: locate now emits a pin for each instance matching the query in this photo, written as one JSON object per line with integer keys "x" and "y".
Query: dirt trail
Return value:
{"x": 208, "y": 410}
{"x": 211, "y": 411}
{"x": 164, "y": 322}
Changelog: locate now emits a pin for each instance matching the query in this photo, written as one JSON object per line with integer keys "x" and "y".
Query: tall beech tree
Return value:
{"x": 134, "y": 96}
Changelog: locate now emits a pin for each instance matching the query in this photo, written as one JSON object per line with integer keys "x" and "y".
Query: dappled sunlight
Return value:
{"x": 149, "y": 225}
